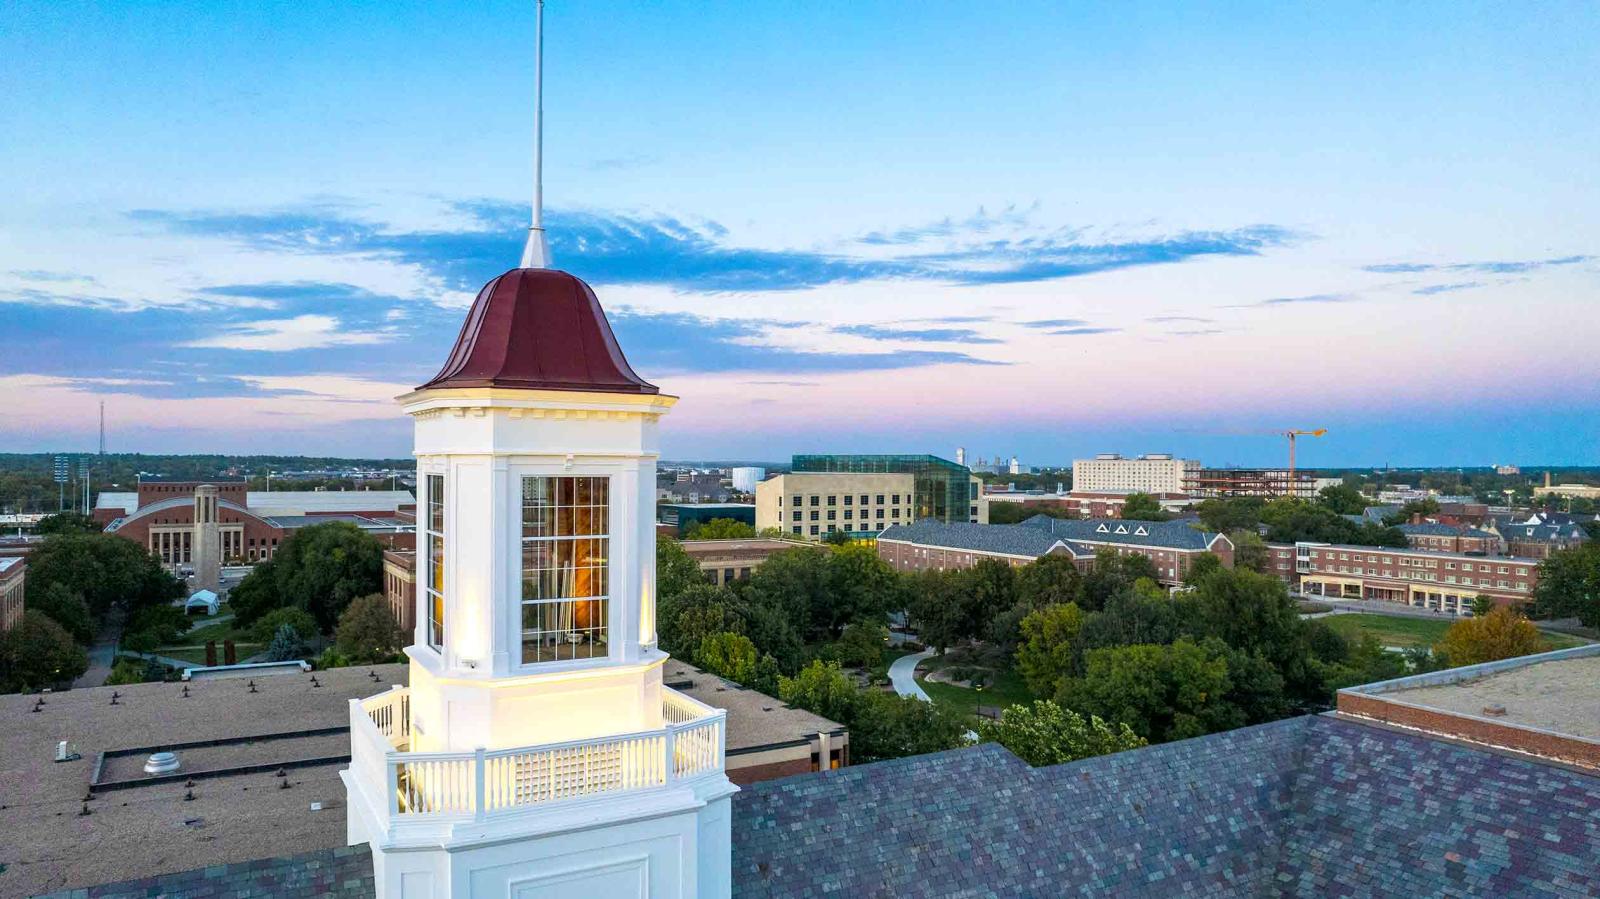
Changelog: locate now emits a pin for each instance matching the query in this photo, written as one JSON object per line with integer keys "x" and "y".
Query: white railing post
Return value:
{"x": 391, "y": 778}
{"x": 478, "y": 780}
{"x": 671, "y": 745}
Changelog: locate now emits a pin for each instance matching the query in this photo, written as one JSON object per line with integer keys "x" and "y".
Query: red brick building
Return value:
{"x": 12, "y": 573}
{"x": 1441, "y": 581}
{"x": 1450, "y": 538}
{"x": 251, "y": 524}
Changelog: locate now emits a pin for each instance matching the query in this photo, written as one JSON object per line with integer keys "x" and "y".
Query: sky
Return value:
{"x": 1039, "y": 229}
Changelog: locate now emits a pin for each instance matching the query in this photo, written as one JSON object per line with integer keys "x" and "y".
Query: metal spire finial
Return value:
{"x": 536, "y": 252}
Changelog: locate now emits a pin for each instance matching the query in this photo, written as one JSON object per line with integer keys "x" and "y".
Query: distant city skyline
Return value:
{"x": 1043, "y": 230}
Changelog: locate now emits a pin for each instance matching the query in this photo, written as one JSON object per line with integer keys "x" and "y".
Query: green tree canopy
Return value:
{"x": 734, "y": 657}
{"x": 106, "y": 570}
{"x": 1250, "y": 551}
{"x": 63, "y": 606}
{"x": 675, "y": 570}
{"x": 1163, "y": 693}
{"x": 888, "y": 726}
{"x": 67, "y": 523}
{"x": 1342, "y": 499}
{"x": 367, "y": 632}
{"x": 860, "y": 645}
{"x": 694, "y": 613}
{"x": 1114, "y": 573}
{"x": 1240, "y": 513}
{"x": 1044, "y": 733}
{"x": 38, "y": 653}
{"x": 718, "y": 529}
{"x": 1143, "y": 507}
{"x": 1569, "y": 585}
{"x": 821, "y": 687}
{"x": 1047, "y": 651}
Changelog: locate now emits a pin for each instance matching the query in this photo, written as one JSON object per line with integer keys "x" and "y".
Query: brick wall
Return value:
{"x": 1491, "y": 733}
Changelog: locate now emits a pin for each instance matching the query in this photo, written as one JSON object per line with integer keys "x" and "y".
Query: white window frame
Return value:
{"x": 610, "y": 622}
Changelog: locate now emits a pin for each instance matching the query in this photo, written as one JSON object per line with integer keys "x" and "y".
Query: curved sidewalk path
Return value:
{"x": 902, "y": 673}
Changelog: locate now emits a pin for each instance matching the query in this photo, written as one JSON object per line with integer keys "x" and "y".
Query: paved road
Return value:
{"x": 902, "y": 673}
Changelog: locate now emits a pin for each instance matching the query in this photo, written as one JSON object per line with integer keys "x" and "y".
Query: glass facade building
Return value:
{"x": 942, "y": 490}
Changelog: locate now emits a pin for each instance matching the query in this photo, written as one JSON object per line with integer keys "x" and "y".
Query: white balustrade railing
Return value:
{"x": 480, "y": 783}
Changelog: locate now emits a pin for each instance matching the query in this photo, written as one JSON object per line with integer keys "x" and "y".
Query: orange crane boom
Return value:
{"x": 1292, "y": 434}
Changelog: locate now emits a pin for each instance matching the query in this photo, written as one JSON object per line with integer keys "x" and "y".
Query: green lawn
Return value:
{"x": 1006, "y": 689}
{"x": 197, "y": 654}
{"x": 1394, "y": 630}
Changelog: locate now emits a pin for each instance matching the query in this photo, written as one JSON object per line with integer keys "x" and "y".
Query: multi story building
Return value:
{"x": 862, "y": 495}
{"x": 813, "y": 504}
{"x": 249, "y": 524}
{"x": 400, "y": 586}
{"x": 1268, "y": 483}
{"x": 746, "y": 477}
{"x": 1537, "y": 536}
{"x": 1577, "y": 491}
{"x": 725, "y": 561}
{"x": 1441, "y": 581}
{"x": 679, "y": 518}
{"x": 1171, "y": 546}
{"x": 1450, "y": 538}
{"x": 1150, "y": 473}
{"x": 13, "y": 571}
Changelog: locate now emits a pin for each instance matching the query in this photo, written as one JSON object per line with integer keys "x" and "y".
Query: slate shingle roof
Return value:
{"x": 1009, "y": 539}
{"x": 1306, "y": 807}
{"x": 1434, "y": 529}
{"x": 1167, "y": 534}
{"x": 1315, "y": 807}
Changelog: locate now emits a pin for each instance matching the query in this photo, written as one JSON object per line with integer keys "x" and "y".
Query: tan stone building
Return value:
{"x": 725, "y": 561}
{"x": 400, "y": 586}
{"x": 810, "y": 504}
{"x": 12, "y": 571}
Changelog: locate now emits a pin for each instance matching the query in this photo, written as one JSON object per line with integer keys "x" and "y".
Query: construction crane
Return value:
{"x": 1292, "y": 434}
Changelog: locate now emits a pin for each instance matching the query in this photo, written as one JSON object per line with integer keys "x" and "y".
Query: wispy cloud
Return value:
{"x": 1081, "y": 332}
{"x": 696, "y": 256}
{"x": 1488, "y": 268}
{"x": 303, "y": 332}
{"x": 1179, "y": 319}
{"x": 679, "y": 342}
{"x": 1046, "y": 323}
{"x": 1291, "y": 301}
{"x": 1196, "y": 332}
{"x": 1446, "y": 288}
{"x": 52, "y": 277}
{"x": 920, "y": 335}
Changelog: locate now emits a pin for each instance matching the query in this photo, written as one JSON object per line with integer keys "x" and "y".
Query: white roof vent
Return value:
{"x": 161, "y": 763}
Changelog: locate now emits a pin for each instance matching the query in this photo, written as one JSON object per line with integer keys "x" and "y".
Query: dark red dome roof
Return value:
{"x": 538, "y": 329}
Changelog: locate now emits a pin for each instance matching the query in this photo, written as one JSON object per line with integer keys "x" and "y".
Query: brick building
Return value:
{"x": 1441, "y": 581}
{"x": 13, "y": 571}
{"x": 400, "y": 586}
{"x": 1450, "y": 538}
{"x": 1537, "y": 536}
{"x": 250, "y": 524}
{"x": 725, "y": 561}
{"x": 1171, "y": 546}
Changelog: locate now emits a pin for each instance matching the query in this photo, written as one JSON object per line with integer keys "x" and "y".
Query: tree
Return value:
{"x": 1113, "y": 573}
{"x": 1343, "y": 499}
{"x": 860, "y": 586}
{"x": 154, "y": 626}
{"x": 367, "y": 632}
{"x": 1242, "y": 513}
{"x": 861, "y": 644}
{"x": 1427, "y": 508}
{"x": 697, "y": 612}
{"x": 1482, "y": 604}
{"x": 324, "y": 567}
{"x": 1163, "y": 693}
{"x": 256, "y": 596}
{"x": 106, "y": 570}
{"x": 821, "y": 687}
{"x": 936, "y": 605}
{"x": 797, "y": 582}
{"x": 675, "y": 570}
{"x": 1143, "y": 507}
{"x": 65, "y": 607}
{"x": 728, "y": 655}
{"x": 889, "y": 726}
{"x": 1501, "y": 634}
{"x": 67, "y": 523}
{"x": 286, "y": 645}
{"x": 991, "y": 589}
{"x": 1130, "y": 618}
{"x": 1044, "y": 733}
{"x": 836, "y": 538}
{"x": 37, "y": 653}
{"x": 1047, "y": 581}
{"x": 1049, "y": 639}
{"x": 1569, "y": 585}
{"x": 267, "y": 627}
{"x": 718, "y": 529}
{"x": 1203, "y": 564}
{"x": 1250, "y": 551}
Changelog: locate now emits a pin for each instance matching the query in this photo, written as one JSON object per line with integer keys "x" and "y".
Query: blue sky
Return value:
{"x": 1040, "y": 229}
